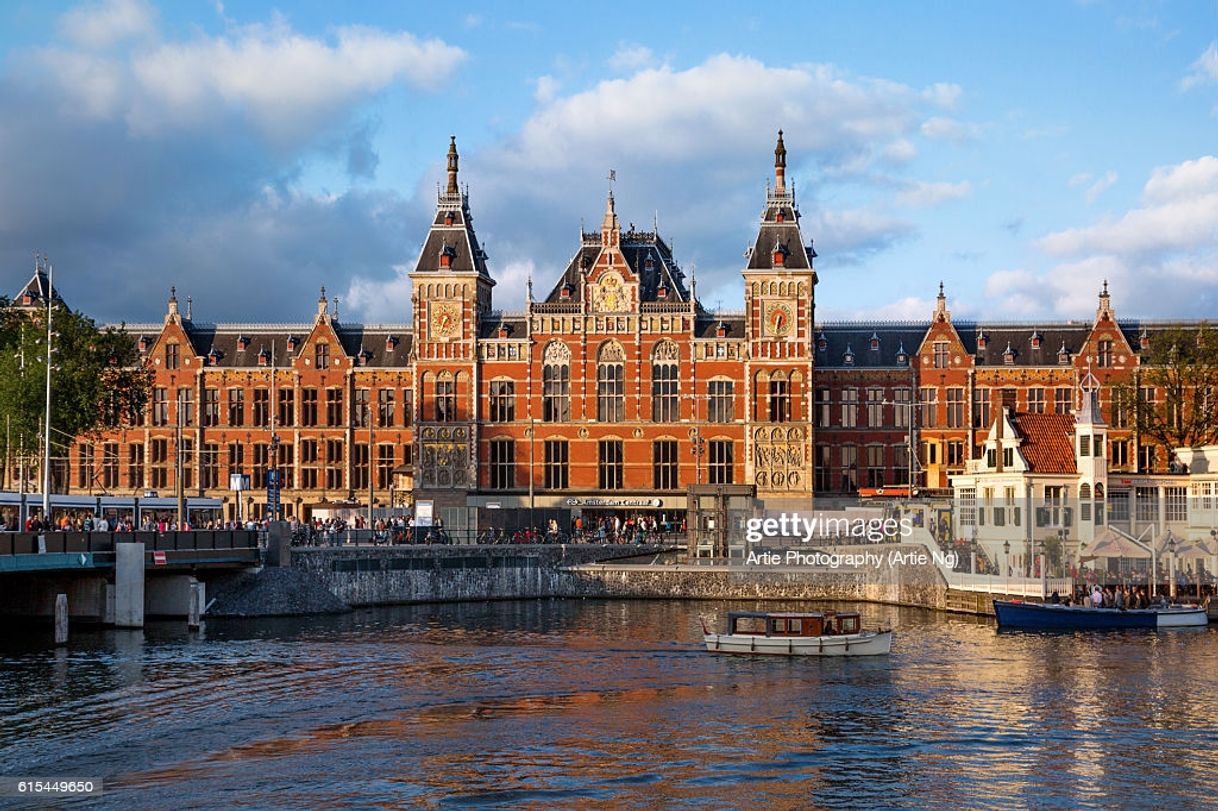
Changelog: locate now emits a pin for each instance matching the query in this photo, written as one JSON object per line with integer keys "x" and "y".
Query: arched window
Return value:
{"x": 665, "y": 370}
{"x": 1099, "y": 504}
{"x": 1084, "y": 502}
{"x": 780, "y": 398}
{"x": 556, "y": 383}
{"x": 611, "y": 383}
{"x": 446, "y": 398}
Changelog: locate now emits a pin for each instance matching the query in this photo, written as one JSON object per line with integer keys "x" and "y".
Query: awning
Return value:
{"x": 1110, "y": 544}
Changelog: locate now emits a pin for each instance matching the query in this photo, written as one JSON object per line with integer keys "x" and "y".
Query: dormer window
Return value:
{"x": 649, "y": 264}
{"x": 27, "y": 298}
{"x": 565, "y": 291}
{"x": 848, "y": 357}
{"x": 780, "y": 255}
{"x": 391, "y": 341}
{"x": 293, "y": 342}
{"x": 875, "y": 342}
{"x": 264, "y": 357}
{"x": 721, "y": 330}
{"x": 143, "y": 343}
{"x": 1035, "y": 340}
{"x": 781, "y": 216}
{"x": 450, "y": 217}
{"x": 662, "y": 292}
{"x": 505, "y": 331}
{"x": 447, "y": 254}
{"x": 1144, "y": 340}
{"x": 1063, "y": 355}
{"x": 213, "y": 357}
{"x": 242, "y": 343}
{"x": 982, "y": 340}
{"x": 822, "y": 343}
{"x": 1008, "y": 355}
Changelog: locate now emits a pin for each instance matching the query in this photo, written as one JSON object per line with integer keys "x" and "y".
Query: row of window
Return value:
{"x": 610, "y": 464}
{"x": 321, "y": 355}
{"x": 322, "y": 462}
{"x": 611, "y": 398}
{"x": 312, "y": 409}
{"x": 1055, "y": 511}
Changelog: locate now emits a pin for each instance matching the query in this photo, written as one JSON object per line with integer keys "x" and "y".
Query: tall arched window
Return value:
{"x": 611, "y": 383}
{"x": 446, "y": 398}
{"x": 556, "y": 383}
{"x": 1084, "y": 502}
{"x": 665, "y": 369}
{"x": 780, "y": 398}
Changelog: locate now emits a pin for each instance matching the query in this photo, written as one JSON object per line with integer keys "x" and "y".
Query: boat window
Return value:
{"x": 749, "y": 625}
{"x": 850, "y": 625}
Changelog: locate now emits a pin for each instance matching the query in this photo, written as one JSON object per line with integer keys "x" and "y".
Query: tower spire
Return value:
{"x": 780, "y": 166}
{"x": 452, "y": 165}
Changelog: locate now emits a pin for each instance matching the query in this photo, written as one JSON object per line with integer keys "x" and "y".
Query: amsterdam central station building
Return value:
{"x": 614, "y": 392}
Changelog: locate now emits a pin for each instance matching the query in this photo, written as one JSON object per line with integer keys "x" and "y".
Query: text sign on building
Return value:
{"x": 238, "y": 481}
{"x": 593, "y": 501}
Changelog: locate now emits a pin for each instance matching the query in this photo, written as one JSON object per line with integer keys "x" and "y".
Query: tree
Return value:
{"x": 1181, "y": 366}
{"x": 97, "y": 380}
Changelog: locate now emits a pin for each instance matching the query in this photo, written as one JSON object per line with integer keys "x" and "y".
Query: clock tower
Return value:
{"x": 450, "y": 291}
{"x": 779, "y": 284}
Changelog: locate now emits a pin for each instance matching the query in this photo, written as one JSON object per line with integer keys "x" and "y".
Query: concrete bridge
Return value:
{"x": 115, "y": 578}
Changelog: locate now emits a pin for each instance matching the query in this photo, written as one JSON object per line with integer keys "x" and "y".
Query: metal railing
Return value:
{"x": 32, "y": 543}
{"x": 430, "y": 536}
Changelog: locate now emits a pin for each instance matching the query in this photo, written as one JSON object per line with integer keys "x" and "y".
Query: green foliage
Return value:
{"x": 97, "y": 382}
{"x": 1182, "y": 365}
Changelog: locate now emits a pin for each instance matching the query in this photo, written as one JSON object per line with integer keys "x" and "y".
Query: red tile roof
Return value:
{"x": 1048, "y": 442}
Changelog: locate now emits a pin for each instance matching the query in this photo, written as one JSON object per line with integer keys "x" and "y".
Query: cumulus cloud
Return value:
{"x": 697, "y": 144}
{"x": 284, "y": 83}
{"x": 129, "y": 199}
{"x": 1100, "y": 186}
{"x": 949, "y": 129}
{"x": 1159, "y": 257}
{"x": 102, "y": 24}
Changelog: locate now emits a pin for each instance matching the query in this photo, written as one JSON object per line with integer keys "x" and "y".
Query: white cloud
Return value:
{"x": 102, "y": 24}
{"x": 380, "y": 301}
{"x": 920, "y": 193}
{"x": 546, "y": 89}
{"x": 1160, "y": 256}
{"x": 1100, "y": 186}
{"x": 909, "y": 308}
{"x": 943, "y": 94}
{"x": 1204, "y": 70}
{"x": 1080, "y": 179}
{"x": 287, "y": 84}
{"x": 949, "y": 129}
{"x": 629, "y": 56}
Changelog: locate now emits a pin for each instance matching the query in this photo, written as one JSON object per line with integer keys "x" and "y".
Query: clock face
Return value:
{"x": 612, "y": 293}
{"x": 445, "y": 319}
{"x": 778, "y": 319}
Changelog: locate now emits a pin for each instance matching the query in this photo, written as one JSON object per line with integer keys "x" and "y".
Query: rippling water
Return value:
{"x": 610, "y": 704}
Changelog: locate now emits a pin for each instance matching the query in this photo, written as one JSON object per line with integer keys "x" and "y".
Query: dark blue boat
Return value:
{"x": 1050, "y": 617}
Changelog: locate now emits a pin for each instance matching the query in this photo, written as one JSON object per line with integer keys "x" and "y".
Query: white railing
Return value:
{"x": 1013, "y": 586}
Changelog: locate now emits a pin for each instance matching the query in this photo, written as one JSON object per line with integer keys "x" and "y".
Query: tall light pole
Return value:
{"x": 46, "y": 439}
{"x": 368, "y": 412}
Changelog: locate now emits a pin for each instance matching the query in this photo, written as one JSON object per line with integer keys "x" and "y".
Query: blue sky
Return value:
{"x": 249, "y": 152}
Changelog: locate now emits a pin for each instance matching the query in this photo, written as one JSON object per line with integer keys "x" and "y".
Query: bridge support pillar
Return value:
{"x": 171, "y": 595}
{"x": 61, "y": 619}
{"x": 129, "y": 585}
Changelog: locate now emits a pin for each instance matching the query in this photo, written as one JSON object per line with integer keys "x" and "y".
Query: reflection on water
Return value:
{"x": 609, "y": 704}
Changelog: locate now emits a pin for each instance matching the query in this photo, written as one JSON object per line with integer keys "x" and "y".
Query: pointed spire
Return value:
{"x": 1104, "y": 311}
{"x": 452, "y": 165}
{"x": 610, "y": 228}
{"x": 336, "y": 308}
{"x": 321, "y": 302}
{"x": 941, "y": 311}
{"x": 190, "y": 308}
{"x": 530, "y": 288}
{"x": 171, "y": 313}
{"x": 780, "y": 166}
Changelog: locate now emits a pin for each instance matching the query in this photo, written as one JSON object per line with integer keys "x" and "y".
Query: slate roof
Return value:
{"x": 37, "y": 288}
{"x": 1047, "y": 442}
{"x": 834, "y": 339}
{"x": 1021, "y": 340}
{"x": 636, "y": 248}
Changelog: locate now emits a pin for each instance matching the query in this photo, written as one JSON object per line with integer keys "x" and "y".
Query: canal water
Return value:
{"x": 609, "y": 704}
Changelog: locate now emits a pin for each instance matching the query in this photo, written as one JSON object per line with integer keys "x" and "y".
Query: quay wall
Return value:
{"x": 395, "y": 575}
{"x": 424, "y": 574}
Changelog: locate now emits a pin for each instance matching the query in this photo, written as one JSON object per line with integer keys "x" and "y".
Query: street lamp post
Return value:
{"x": 1006, "y": 561}
{"x": 1171, "y": 568}
{"x": 46, "y": 426}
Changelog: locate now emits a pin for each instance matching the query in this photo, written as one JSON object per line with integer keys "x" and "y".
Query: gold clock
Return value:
{"x": 445, "y": 319}
{"x": 778, "y": 319}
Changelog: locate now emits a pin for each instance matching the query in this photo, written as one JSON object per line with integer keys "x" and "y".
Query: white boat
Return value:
{"x": 814, "y": 633}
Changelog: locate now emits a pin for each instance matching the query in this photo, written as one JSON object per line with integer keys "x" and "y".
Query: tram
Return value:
{"x": 15, "y": 508}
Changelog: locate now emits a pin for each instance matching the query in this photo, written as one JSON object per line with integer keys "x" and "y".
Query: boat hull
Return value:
{"x": 868, "y": 643}
{"x": 1034, "y": 616}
